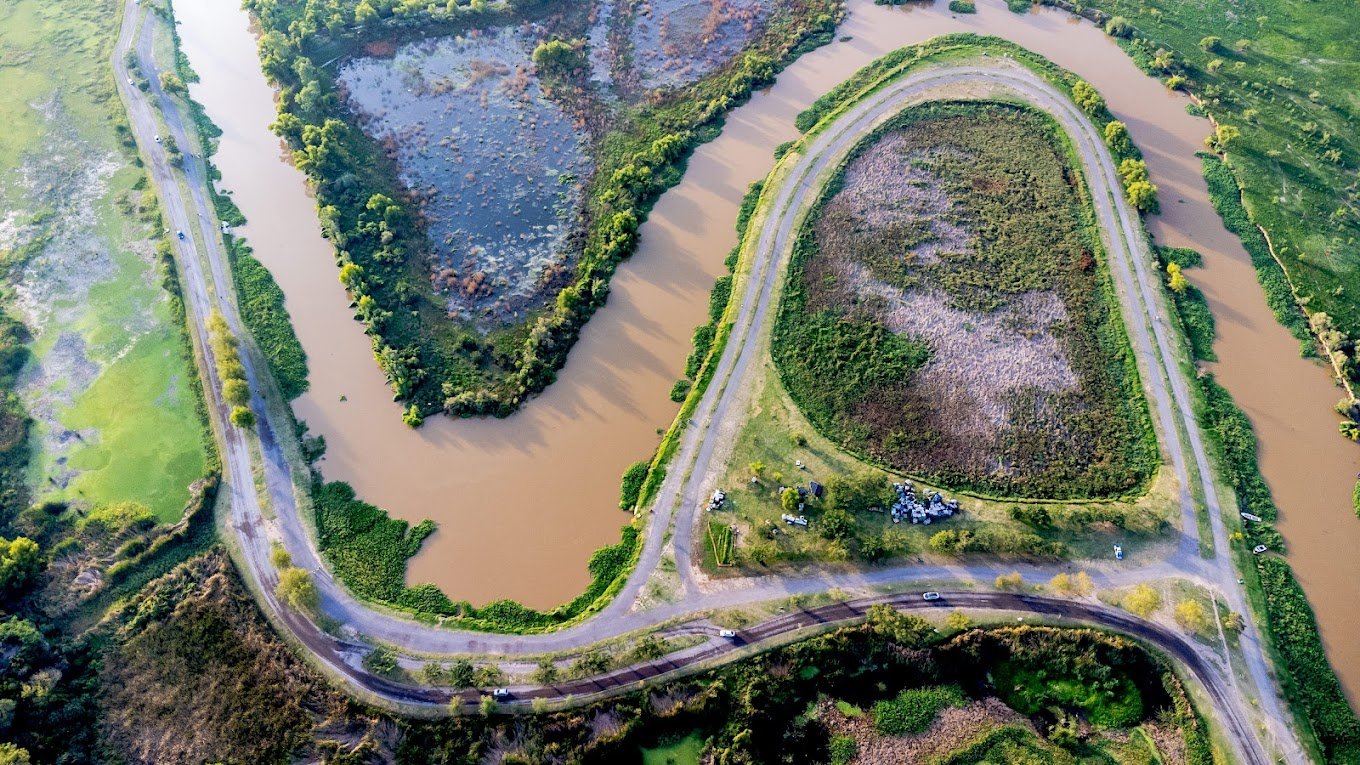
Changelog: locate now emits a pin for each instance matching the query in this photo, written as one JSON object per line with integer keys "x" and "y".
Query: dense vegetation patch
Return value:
{"x": 640, "y": 151}
{"x": 959, "y": 325}
{"x": 772, "y": 708}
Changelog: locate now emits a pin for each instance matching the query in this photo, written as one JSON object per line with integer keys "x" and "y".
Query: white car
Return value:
{"x": 501, "y": 693}
{"x": 1258, "y": 549}
{"x": 932, "y": 595}
{"x": 1118, "y": 552}
{"x": 727, "y": 633}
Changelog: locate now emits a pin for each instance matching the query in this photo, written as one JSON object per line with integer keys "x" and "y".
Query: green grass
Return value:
{"x": 914, "y": 709}
{"x": 1290, "y": 90}
{"x": 1225, "y": 194}
{"x": 680, "y": 751}
{"x": 854, "y": 377}
{"x": 141, "y": 452}
{"x": 144, "y": 439}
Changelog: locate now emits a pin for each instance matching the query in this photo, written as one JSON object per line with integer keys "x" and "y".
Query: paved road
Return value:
{"x": 207, "y": 287}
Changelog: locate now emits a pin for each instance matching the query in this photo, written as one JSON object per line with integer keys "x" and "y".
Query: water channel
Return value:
{"x": 522, "y": 502}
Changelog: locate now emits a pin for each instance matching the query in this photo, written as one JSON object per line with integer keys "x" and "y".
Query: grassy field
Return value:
{"x": 963, "y": 328}
{"x": 1283, "y": 73}
{"x": 110, "y": 388}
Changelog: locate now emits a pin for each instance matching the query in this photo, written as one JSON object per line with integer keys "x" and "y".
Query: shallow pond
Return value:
{"x": 496, "y": 166}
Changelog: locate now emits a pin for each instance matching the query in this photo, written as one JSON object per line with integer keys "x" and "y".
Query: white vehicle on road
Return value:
{"x": 932, "y": 595}
{"x": 727, "y": 633}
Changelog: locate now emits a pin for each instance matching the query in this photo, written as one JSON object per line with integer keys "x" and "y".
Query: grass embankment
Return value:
{"x": 110, "y": 356}
{"x": 1280, "y": 74}
{"x": 852, "y": 301}
{"x": 431, "y": 361}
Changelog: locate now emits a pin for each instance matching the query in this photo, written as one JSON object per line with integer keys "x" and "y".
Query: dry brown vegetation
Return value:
{"x": 195, "y": 675}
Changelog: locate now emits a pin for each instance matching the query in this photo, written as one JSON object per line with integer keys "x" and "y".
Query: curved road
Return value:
{"x": 208, "y": 288}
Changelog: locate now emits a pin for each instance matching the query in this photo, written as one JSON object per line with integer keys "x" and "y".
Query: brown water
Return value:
{"x": 522, "y": 502}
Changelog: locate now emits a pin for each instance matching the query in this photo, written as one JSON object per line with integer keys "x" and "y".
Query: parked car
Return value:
{"x": 727, "y": 633}
{"x": 179, "y": 234}
{"x": 1118, "y": 552}
{"x": 501, "y": 693}
{"x": 1258, "y": 549}
{"x": 930, "y": 595}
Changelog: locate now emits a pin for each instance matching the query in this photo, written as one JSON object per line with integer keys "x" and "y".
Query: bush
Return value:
{"x": 632, "y": 484}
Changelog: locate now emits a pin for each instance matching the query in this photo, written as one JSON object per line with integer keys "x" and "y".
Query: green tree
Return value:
{"x": 297, "y": 589}
{"x": 488, "y": 706}
{"x": 559, "y": 58}
{"x": 1117, "y": 137}
{"x": 789, "y": 500}
{"x": 1133, "y": 170}
{"x": 381, "y": 660}
{"x": 902, "y": 628}
{"x": 242, "y": 417}
{"x": 20, "y": 561}
{"x": 1192, "y": 615}
{"x": 236, "y": 392}
{"x": 836, "y": 524}
{"x": 1012, "y": 581}
{"x": 546, "y": 672}
{"x": 1142, "y": 195}
{"x": 1210, "y": 43}
{"x": 1087, "y": 97}
{"x": 1175, "y": 279}
{"x": 13, "y": 755}
{"x": 1118, "y": 26}
{"x": 1223, "y": 137}
{"x": 461, "y": 674}
{"x": 957, "y": 621}
{"x": 280, "y": 557}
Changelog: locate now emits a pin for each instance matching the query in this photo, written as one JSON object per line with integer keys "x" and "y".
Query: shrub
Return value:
{"x": 1192, "y": 616}
{"x": 296, "y": 588}
{"x": 1143, "y": 600}
{"x": 632, "y": 484}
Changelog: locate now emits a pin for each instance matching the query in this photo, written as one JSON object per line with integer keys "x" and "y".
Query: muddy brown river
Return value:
{"x": 522, "y": 502}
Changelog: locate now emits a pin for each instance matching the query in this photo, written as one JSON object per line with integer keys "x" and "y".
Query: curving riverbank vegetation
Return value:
{"x": 436, "y": 363}
{"x": 1310, "y": 684}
